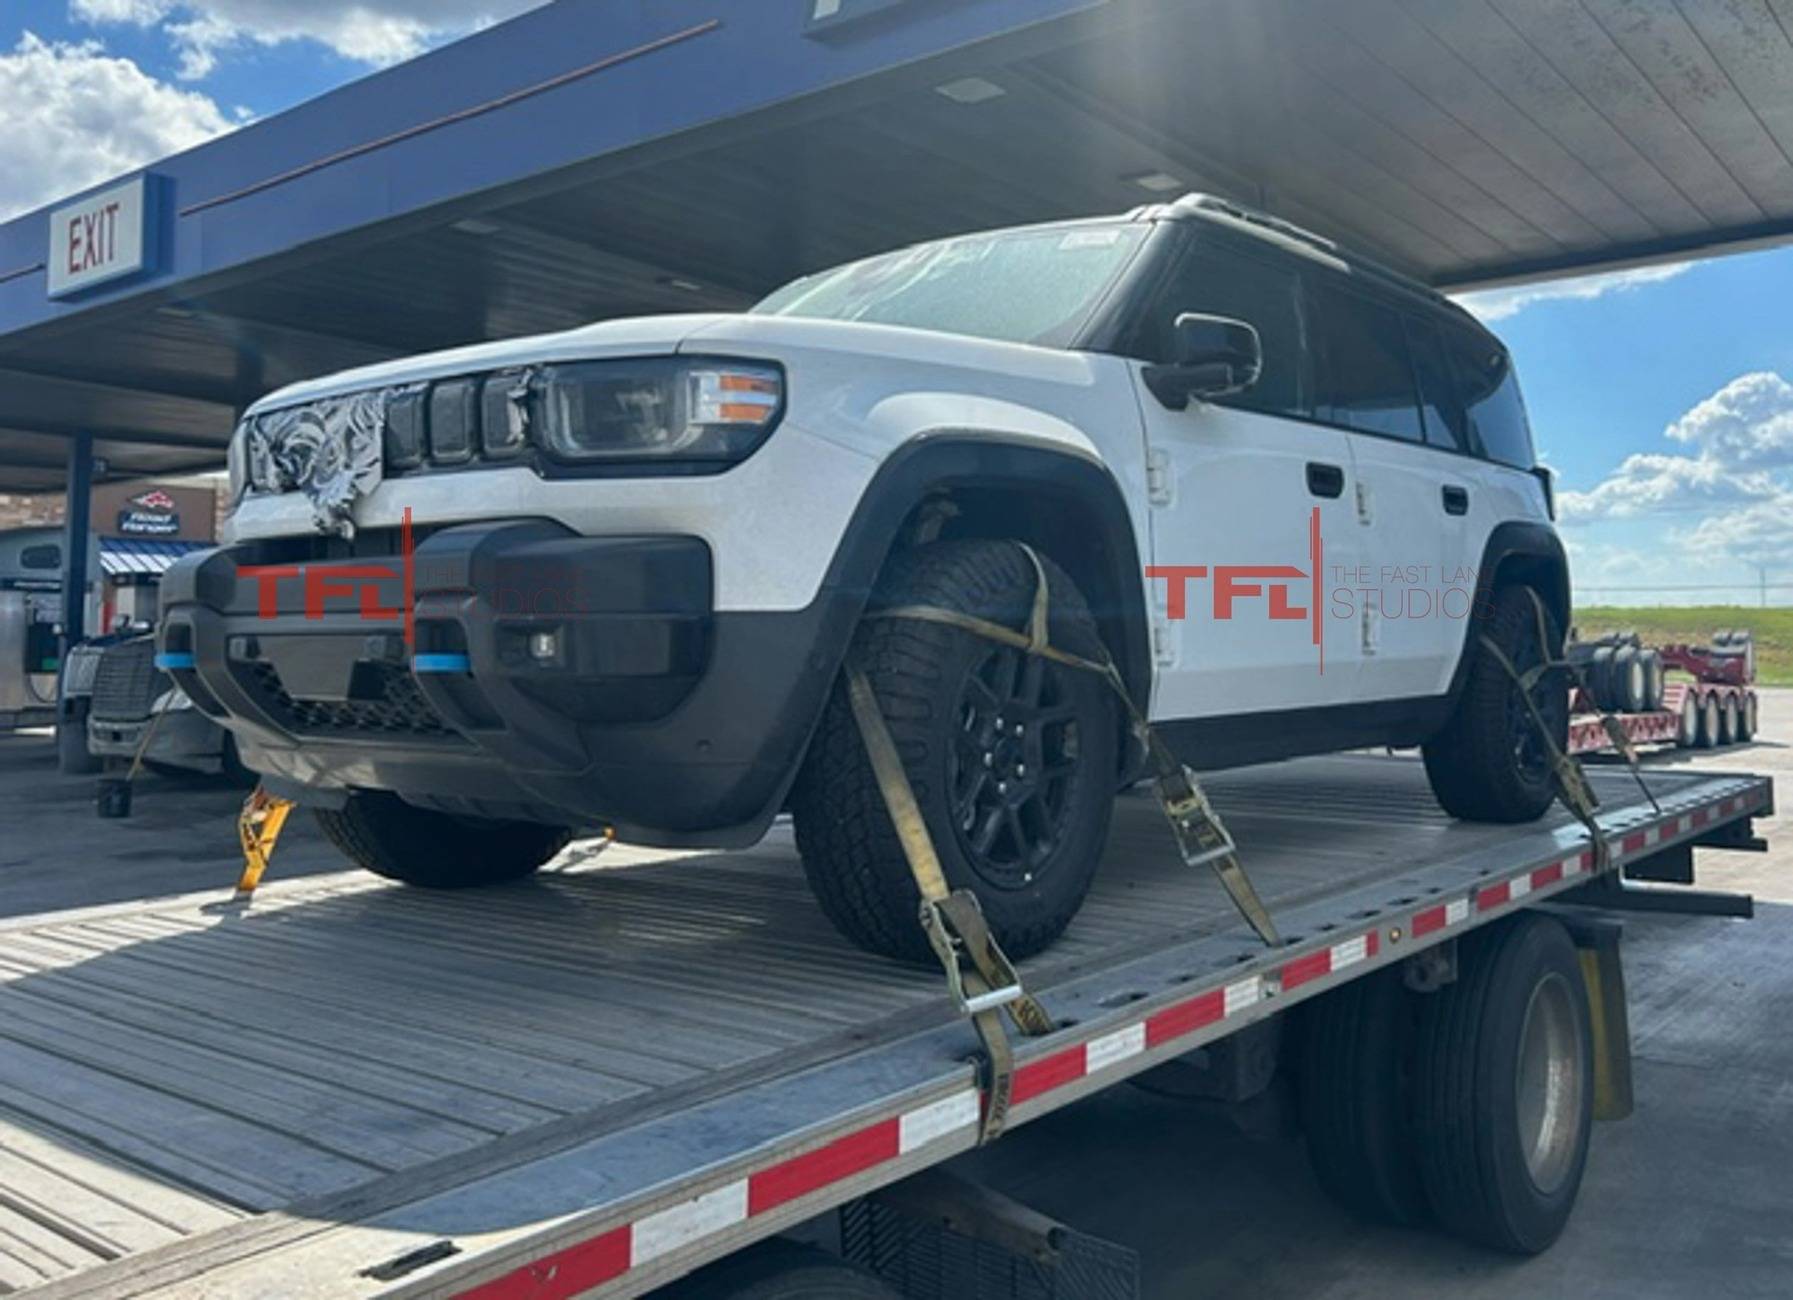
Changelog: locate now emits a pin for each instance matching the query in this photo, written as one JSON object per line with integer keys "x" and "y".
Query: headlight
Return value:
{"x": 670, "y": 408}
{"x": 236, "y": 459}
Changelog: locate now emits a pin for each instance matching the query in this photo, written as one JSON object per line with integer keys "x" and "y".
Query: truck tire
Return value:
{"x": 1746, "y": 717}
{"x": 1728, "y": 721}
{"x": 1489, "y": 764}
{"x": 1710, "y": 721}
{"x": 1504, "y": 1089}
{"x": 1355, "y": 1091}
{"x": 780, "y": 1270}
{"x": 1013, "y": 759}
{"x": 391, "y": 838}
{"x": 73, "y": 758}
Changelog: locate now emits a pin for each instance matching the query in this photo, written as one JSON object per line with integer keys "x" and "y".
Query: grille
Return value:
{"x": 127, "y": 682}
{"x": 395, "y": 707}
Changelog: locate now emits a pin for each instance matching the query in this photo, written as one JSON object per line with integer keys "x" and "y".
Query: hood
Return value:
{"x": 628, "y": 337}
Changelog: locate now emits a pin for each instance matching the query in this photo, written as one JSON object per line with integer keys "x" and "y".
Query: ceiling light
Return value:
{"x": 474, "y": 226}
{"x": 673, "y": 282}
{"x": 970, "y": 90}
{"x": 1156, "y": 182}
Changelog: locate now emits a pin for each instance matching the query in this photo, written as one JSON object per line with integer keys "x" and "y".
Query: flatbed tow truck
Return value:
{"x": 607, "y": 1077}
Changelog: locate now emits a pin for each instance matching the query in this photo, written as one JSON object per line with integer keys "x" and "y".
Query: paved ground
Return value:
{"x": 1693, "y": 1195}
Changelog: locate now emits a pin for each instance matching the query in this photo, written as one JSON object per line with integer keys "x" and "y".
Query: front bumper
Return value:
{"x": 183, "y": 738}
{"x": 550, "y": 676}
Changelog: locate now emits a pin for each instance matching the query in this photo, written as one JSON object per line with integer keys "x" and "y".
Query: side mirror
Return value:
{"x": 1215, "y": 355}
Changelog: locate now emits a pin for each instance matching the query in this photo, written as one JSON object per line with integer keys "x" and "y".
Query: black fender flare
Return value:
{"x": 949, "y": 460}
{"x": 1517, "y": 550}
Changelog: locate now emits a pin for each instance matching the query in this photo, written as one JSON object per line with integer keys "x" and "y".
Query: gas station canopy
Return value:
{"x": 595, "y": 158}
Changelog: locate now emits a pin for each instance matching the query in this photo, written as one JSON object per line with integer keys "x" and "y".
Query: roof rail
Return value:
{"x": 1240, "y": 212}
{"x": 1213, "y": 203}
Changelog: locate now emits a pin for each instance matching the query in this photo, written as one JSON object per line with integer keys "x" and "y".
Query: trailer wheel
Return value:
{"x": 1631, "y": 678}
{"x": 1600, "y": 678}
{"x": 1504, "y": 1097}
{"x": 1489, "y": 764}
{"x": 1687, "y": 731}
{"x": 780, "y": 1270}
{"x": 1746, "y": 718}
{"x": 1728, "y": 722}
{"x": 391, "y": 838}
{"x": 1013, "y": 758}
{"x": 1356, "y": 1098}
{"x": 1653, "y": 681}
{"x": 1710, "y": 724}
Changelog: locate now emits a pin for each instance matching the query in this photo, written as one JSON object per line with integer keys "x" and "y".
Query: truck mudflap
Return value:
{"x": 619, "y": 1210}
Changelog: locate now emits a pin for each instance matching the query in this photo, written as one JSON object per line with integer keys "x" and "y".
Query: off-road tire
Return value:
{"x": 1466, "y": 1096}
{"x": 918, "y": 671}
{"x": 1355, "y": 1091}
{"x": 436, "y": 850}
{"x": 1471, "y": 763}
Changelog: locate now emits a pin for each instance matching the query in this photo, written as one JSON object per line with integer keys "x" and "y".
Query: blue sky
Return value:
{"x": 1659, "y": 394}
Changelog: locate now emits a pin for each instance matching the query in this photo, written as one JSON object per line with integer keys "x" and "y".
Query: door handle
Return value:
{"x": 1325, "y": 480}
{"x": 1456, "y": 500}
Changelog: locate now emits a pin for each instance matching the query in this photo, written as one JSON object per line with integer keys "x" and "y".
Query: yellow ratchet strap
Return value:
{"x": 1202, "y": 838}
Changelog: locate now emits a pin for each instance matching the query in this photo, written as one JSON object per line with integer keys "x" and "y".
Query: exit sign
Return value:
{"x": 100, "y": 238}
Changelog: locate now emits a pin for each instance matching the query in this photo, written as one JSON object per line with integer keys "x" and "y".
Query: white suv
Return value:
{"x": 474, "y": 600}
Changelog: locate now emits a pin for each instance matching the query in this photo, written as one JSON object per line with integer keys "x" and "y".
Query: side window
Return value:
{"x": 1490, "y": 394}
{"x": 1218, "y": 282}
{"x": 47, "y": 556}
{"x": 1366, "y": 374}
{"x": 1446, "y": 424}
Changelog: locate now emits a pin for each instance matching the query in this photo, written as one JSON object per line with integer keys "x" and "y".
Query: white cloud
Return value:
{"x": 1499, "y": 304}
{"x": 375, "y": 32}
{"x": 1704, "y": 520}
{"x": 75, "y": 116}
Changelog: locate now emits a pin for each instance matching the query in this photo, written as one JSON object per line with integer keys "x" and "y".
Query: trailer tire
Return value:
{"x": 1504, "y": 1090}
{"x": 1488, "y": 764}
{"x": 1687, "y": 731}
{"x": 1631, "y": 679}
{"x": 780, "y": 1270}
{"x": 933, "y": 682}
{"x": 1747, "y": 718}
{"x": 1600, "y": 678}
{"x": 1355, "y": 1091}
{"x": 1653, "y": 680}
{"x": 1729, "y": 725}
{"x": 436, "y": 850}
{"x": 1710, "y": 722}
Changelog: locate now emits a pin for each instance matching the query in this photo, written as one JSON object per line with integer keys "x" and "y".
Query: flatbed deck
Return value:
{"x": 613, "y": 1072}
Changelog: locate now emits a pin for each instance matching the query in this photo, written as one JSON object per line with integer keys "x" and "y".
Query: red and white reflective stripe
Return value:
{"x": 608, "y": 1256}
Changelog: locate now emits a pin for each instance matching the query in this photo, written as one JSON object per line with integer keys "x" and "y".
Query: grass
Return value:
{"x": 1695, "y": 624}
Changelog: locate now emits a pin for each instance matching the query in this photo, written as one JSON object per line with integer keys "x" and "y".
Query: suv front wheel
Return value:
{"x": 1013, "y": 758}
{"x": 1489, "y": 764}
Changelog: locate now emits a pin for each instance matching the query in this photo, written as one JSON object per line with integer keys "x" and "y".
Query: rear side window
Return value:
{"x": 1446, "y": 423}
{"x": 1490, "y": 394}
{"x": 1218, "y": 282}
{"x": 1366, "y": 374}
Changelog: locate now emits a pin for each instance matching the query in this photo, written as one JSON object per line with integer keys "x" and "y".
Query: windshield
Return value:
{"x": 1018, "y": 286}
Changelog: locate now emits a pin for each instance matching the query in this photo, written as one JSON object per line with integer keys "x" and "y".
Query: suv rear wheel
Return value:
{"x": 1013, "y": 758}
{"x": 1489, "y": 764}
{"x": 437, "y": 850}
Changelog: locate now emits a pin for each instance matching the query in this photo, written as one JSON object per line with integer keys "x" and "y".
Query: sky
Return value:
{"x": 1660, "y": 396}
